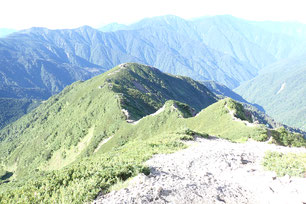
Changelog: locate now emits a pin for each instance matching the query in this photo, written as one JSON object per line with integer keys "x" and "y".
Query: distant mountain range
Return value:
{"x": 39, "y": 62}
{"x": 257, "y": 43}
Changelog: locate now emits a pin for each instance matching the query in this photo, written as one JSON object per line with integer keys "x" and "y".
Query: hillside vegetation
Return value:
{"x": 99, "y": 132}
{"x": 290, "y": 164}
{"x": 96, "y": 107}
{"x": 281, "y": 90}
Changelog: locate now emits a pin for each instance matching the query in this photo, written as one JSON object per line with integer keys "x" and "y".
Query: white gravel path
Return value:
{"x": 212, "y": 171}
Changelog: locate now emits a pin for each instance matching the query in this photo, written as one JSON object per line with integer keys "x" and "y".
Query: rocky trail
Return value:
{"x": 212, "y": 171}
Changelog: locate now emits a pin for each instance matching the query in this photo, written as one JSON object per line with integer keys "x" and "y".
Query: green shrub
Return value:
{"x": 188, "y": 134}
{"x": 261, "y": 136}
{"x": 186, "y": 137}
{"x": 282, "y": 164}
{"x": 239, "y": 111}
{"x": 283, "y": 137}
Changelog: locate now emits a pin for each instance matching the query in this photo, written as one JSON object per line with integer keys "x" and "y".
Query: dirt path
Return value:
{"x": 231, "y": 112}
{"x": 153, "y": 114}
{"x": 212, "y": 171}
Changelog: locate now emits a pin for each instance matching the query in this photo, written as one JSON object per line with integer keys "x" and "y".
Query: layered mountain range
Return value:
{"x": 38, "y": 62}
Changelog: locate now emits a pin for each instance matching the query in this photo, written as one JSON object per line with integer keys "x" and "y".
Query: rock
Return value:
{"x": 273, "y": 175}
{"x": 158, "y": 191}
{"x": 243, "y": 161}
{"x": 220, "y": 199}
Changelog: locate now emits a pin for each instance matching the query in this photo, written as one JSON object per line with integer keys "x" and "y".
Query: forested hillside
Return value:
{"x": 281, "y": 89}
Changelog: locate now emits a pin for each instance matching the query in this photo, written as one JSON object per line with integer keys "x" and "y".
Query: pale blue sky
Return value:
{"x": 21, "y": 14}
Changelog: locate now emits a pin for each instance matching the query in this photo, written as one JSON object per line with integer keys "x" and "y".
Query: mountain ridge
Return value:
{"x": 80, "y": 142}
{"x": 119, "y": 92}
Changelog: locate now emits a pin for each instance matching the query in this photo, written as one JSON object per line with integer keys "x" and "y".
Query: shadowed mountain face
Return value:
{"x": 12, "y": 109}
{"x": 222, "y": 90}
{"x": 33, "y": 68}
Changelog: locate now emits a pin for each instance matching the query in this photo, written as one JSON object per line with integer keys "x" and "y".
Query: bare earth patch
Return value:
{"x": 212, "y": 171}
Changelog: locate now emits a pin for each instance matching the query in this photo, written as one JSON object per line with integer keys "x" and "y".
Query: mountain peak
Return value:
{"x": 112, "y": 27}
{"x": 35, "y": 30}
{"x": 144, "y": 89}
{"x": 132, "y": 67}
{"x": 85, "y": 28}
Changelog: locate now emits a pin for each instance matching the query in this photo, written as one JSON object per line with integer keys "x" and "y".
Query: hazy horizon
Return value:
{"x": 69, "y": 14}
{"x": 127, "y": 24}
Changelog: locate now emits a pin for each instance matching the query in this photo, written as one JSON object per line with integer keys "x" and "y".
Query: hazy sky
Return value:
{"x": 21, "y": 14}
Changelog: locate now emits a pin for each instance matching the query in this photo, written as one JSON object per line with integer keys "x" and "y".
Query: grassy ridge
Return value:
{"x": 68, "y": 129}
{"x": 117, "y": 160}
{"x": 216, "y": 120}
{"x": 121, "y": 157}
{"x": 57, "y": 153}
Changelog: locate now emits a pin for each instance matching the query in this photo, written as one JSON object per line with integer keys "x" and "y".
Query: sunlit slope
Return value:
{"x": 71, "y": 124}
{"x": 97, "y": 133}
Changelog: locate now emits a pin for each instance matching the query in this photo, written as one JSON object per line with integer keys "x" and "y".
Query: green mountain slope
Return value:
{"x": 280, "y": 89}
{"x": 99, "y": 132}
{"x": 140, "y": 90}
